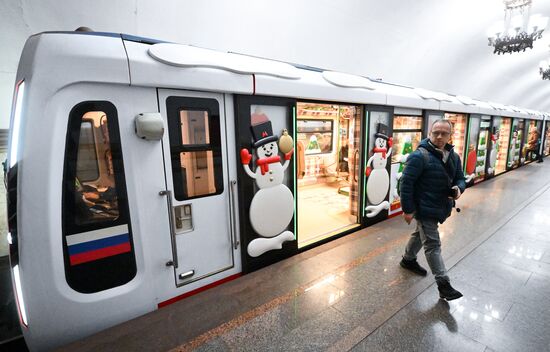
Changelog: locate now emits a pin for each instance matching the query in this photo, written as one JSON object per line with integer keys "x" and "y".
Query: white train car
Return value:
{"x": 126, "y": 186}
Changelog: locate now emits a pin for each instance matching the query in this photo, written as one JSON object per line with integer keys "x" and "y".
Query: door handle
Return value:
{"x": 174, "y": 260}
{"x": 234, "y": 238}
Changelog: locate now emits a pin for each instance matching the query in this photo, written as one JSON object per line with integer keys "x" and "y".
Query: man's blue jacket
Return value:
{"x": 425, "y": 187}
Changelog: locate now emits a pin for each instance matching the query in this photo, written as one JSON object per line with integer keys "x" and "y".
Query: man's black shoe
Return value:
{"x": 413, "y": 266}
{"x": 447, "y": 292}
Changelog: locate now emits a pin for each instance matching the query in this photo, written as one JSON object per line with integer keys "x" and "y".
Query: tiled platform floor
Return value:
{"x": 350, "y": 294}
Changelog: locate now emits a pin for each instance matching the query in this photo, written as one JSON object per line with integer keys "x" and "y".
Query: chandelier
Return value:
{"x": 519, "y": 29}
{"x": 544, "y": 69}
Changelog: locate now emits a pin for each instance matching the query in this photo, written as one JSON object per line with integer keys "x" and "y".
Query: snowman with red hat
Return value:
{"x": 378, "y": 180}
{"x": 272, "y": 206}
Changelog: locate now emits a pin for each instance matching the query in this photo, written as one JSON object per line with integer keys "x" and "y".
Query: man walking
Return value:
{"x": 431, "y": 182}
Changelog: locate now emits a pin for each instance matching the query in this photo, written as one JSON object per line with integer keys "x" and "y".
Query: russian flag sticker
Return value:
{"x": 93, "y": 245}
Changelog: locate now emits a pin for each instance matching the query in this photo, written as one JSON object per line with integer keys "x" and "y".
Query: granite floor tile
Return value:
{"x": 423, "y": 325}
{"x": 491, "y": 250}
{"x": 519, "y": 332}
{"x": 535, "y": 292}
{"x": 209, "y": 312}
{"x": 519, "y": 245}
{"x": 317, "y": 334}
{"x": 489, "y": 276}
{"x": 316, "y": 298}
{"x": 525, "y": 231}
{"x": 361, "y": 301}
{"x": 487, "y": 304}
{"x": 214, "y": 345}
{"x": 529, "y": 326}
{"x": 260, "y": 333}
{"x": 527, "y": 259}
{"x": 492, "y": 333}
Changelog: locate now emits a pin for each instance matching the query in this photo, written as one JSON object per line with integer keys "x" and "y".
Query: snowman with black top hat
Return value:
{"x": 272, "y": 206}
{"x": 378, "y": 180}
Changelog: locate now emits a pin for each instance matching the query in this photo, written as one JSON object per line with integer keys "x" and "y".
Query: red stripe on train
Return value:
{"x": 99, "y": 253}
{"x": 200, "y": 289}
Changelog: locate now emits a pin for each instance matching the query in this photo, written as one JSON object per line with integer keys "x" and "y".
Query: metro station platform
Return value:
{"x": 351, "y": 294}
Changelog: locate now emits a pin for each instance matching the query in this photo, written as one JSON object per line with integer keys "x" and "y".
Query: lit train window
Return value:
{"x": 87, "y": 168}
{"x": 97, "y": 236}
{"x": 315, "y": 134}
{"x": 195, "y": 147}
{"x": 95, "y": 193}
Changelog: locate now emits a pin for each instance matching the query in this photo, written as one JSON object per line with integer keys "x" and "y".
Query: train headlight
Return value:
{"x": 16, "y": 122}
{"x": 10, "y": 240}
{"x": 19, "y": 293}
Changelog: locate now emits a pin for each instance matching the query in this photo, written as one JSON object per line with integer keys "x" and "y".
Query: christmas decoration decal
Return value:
{"x": 378, "y": 180}
{"x": 272, "y": 207}
{"x": 397, "y": 172}
{"x": 471, "y": 161}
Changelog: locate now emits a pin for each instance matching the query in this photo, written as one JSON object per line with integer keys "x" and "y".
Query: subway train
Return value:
{"x": 141, "y": 172}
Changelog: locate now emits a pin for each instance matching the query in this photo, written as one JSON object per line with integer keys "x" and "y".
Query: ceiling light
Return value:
{"x": 519, "y": 29}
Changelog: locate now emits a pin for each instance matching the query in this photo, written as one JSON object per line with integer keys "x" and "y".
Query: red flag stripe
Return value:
{"x": 100, "y": 253}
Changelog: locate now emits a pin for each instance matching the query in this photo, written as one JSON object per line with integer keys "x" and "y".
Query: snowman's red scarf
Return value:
{"x": 380, "y": 150}
{"x": 264, "y": 163}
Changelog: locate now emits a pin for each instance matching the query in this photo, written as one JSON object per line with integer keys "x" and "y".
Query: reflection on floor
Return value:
{"x": 323, "y": 209}
{"x": 351, "y": 294}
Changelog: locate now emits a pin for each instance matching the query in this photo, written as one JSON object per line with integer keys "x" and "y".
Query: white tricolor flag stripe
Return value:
{"x": 96, "y": 234}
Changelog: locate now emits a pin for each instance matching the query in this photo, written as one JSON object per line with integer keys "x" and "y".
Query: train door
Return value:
{"x": 328, "y": 188}
{"x": 501, "y": 132}
{"x": 483, "y": 151}
{"x": 197, "y": 184}
{"x": 514, "y": 147}
{"x": 532, "y": 131}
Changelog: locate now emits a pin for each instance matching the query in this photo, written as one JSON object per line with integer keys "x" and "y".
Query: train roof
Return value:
{"x": 162, "y": 64}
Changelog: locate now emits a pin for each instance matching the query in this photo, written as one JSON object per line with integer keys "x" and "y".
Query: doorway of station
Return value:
{"x": 327, "y": 172}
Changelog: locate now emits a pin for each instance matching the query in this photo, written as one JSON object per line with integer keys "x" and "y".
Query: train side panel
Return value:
{"x": 60, "y": 74}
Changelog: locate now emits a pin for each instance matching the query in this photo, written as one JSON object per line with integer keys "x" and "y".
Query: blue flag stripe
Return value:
{"x": 98, "y": 244}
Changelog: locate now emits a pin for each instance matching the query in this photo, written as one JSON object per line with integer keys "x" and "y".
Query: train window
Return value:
{"x": 316, "y": 135}
{"x": 87, "y": 168}
{"x": 95, "y": 190}
{"x": 97, "y": 236}
{"x": 194, "y": 127}
{"x": 197, "y": 173}
{"x": 195, "y": 144}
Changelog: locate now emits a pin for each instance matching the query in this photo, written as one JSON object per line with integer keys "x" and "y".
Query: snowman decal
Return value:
{"x": 272, "y": 207}
{"x": 494, "y": 152}
{"x": 514, "y": 157}
{"x": 378, "y": 180}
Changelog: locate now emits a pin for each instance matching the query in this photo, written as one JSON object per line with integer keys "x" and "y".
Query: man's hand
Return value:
{"x": 458, "y": 193}
{"x": 408, "y": 218}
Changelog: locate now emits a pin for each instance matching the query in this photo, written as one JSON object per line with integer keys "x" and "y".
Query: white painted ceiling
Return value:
{"x": 434, "y": 44}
